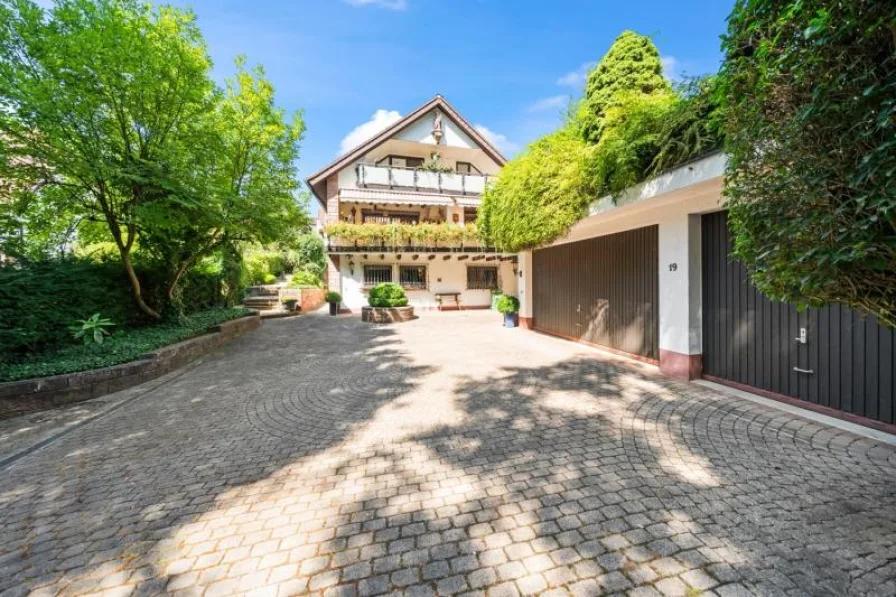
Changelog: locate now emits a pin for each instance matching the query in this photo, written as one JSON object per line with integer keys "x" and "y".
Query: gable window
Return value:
{"x": 482, "y": 278}
{"x": 377, "y": 274}
{"x": 466, "y": 168}
{"x": 412, "y": 276}
{"x": 400, "y": 161}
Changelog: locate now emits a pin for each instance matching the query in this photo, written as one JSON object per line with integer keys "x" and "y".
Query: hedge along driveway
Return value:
{"x": 122, "y": 347}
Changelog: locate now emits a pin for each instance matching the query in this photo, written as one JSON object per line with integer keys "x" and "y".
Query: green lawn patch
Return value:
{"x": 123, "y": 346}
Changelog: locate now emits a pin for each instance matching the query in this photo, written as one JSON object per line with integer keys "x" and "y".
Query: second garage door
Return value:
{"x": 602, "y": 290}
{"x": 832, "y": 357}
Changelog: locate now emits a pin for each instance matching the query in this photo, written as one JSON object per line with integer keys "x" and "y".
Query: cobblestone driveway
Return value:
{"x": 446, "y": 455}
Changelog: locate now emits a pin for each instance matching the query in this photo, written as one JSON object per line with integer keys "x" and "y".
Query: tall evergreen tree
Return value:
{"x": 631, "y": 65}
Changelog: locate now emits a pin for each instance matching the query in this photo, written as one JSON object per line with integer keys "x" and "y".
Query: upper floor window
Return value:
{"x": 400, "y": 161}
{"x": 384, "y": 217}
{"x": 482, "y": 278}
{"x": 377, "y": 274}
{"x": 466, "y": 168}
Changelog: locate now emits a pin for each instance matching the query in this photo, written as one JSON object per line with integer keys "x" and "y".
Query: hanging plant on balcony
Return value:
{"x": 396, "y": 236}
{"x": 434, "y": 164}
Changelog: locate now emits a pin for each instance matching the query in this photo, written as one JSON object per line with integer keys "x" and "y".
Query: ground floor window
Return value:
{"x": 377, "y": 274}
{"x": 412, "y": 276}
{"x": 482, "y": 278}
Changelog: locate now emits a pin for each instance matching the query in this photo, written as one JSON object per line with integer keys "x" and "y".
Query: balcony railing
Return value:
{"x": 371, "y": 175}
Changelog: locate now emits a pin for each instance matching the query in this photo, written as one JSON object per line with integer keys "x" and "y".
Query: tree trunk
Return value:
{"x": 172, "y": 284}
{"x": 135, "y": 287}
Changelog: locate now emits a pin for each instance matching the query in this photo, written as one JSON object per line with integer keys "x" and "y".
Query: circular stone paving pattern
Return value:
{"x": 320, "y": 410}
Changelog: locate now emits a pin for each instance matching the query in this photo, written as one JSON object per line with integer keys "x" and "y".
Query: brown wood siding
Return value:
{"x": 751, "y": 340}
{"x": 602, "y": 290}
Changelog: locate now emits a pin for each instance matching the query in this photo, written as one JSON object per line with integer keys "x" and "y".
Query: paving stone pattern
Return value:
{"x": 447, "y": 455}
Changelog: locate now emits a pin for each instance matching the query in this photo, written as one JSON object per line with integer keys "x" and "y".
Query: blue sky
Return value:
{"x": 508, "y": 66}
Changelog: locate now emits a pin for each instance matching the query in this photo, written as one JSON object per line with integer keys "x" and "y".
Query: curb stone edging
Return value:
{"x": 31, "y": 395}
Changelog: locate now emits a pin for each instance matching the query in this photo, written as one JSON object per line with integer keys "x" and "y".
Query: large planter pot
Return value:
{"x": 334, "y": 308}
{"x": 511, "y": 320}
{"x": 387, "y": 314}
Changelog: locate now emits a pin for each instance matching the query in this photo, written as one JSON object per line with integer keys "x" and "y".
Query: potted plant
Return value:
{"x": 290, "y": 304}
{"x": 496, "y": 296}
{"x": 334, "y": 298}
{"x": 510, "y": 307}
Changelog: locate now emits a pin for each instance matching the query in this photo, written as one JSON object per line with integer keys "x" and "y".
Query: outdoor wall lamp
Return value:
{"x": 351, "y": 268}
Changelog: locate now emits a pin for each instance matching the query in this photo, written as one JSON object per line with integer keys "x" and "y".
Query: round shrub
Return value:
{"x": 387, "y": 294}
{"x": 270, "y": 279}
{"x": 305, "y": 279}
{"x": 333, "y": 297}
{"x": 508, "y": 304}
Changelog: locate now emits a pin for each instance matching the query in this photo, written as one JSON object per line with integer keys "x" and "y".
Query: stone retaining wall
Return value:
{"x": 387, "y": 315}
{"x": 30, "y": 395}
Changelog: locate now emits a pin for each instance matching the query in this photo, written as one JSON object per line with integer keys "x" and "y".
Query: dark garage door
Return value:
{"x": 846, "y": 362}
{"x": 602, "y": 290}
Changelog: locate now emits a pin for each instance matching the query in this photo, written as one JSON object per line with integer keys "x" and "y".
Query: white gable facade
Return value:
{"x": 391, "y": 179}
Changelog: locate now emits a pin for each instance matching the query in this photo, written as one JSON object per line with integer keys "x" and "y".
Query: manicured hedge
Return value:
{"x": 387, "y": 294}
{"x": 39, "y": 300}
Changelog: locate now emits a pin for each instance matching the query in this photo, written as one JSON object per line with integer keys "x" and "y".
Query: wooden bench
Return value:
{"x": 454, "y": 296}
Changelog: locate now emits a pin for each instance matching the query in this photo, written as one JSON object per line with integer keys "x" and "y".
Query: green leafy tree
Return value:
{"x": 246, "y": 185}
{"x": 810, "y": 88}
{"x": 539, "y": 194}
{"x": 106, "y": 102}
{"x": 631, "y": 65}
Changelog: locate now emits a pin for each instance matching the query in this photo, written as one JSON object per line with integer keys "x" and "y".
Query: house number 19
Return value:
{"x": 673, "y": 267}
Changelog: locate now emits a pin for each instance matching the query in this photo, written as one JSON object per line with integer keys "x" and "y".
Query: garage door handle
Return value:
{"x": 808, "y": 371}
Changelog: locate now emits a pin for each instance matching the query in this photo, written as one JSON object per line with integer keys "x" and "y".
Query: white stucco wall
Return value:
{"x": 420, "y": 131}
{"x": 442, "y": 276}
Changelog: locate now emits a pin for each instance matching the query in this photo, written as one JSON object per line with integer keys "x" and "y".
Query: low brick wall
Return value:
{"x": 387, "y": 315}
{"x": 31, "y": 395}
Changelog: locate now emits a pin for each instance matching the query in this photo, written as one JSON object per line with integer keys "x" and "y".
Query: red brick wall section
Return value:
{"x": 312, "y": 299}
{"x": 334, "y": 281}
{"x": 333, "y": 199}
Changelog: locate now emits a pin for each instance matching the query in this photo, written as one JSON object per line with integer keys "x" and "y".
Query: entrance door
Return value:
{"x": 603, "y": 291}
{"x": 832, "y": 356}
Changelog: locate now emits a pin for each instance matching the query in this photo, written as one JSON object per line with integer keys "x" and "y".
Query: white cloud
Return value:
{"x": 670, "y": 67}
{"x": 389, "y": 4}
{"x": 577, "y": 77}
{"x": 503, "y": 144}
{"x": 379, "y": 121}
{"x": 555, "y": 103}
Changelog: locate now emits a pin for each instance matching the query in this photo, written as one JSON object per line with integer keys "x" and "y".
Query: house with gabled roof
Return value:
{"x": 401, "y": 207}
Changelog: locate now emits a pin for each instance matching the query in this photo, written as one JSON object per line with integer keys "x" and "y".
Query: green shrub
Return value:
{"x": 387, "y": 294}
{"x": 305, "y": 279}
{"x": 262, "y": 264}
{"x": 538, "y": 195}
{"x": 270, "y": 279}
{"x": 508, "y": 304}
{"x": 333, "y": 297}
{"x": 121, "y": 347}
{"x": 810, "y": 91}
{"x": 40, "y": 300}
